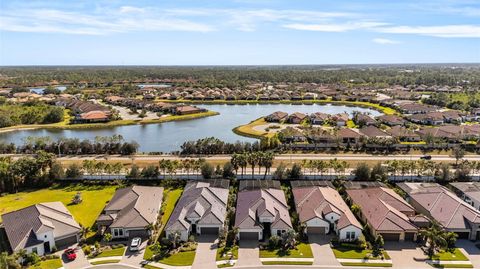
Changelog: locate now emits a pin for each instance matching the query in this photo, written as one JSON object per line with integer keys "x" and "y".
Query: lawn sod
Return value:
{"x": 111, "y": 253}
{"x": 225, "y": 250}
{"x": 94, "y": 199}
{"x": 184, "y": 258}
{"x": 105, "y": 262}
{"x": 366, "y": 264}
{"x": 302, "y": 251}
{"x": 49, "y": 264}
{"x": 286, "y": 263}
{"x": 456, "y": 255}
{"x": 355, "y": 253}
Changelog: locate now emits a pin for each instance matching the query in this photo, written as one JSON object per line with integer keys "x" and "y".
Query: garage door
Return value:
{"x": 66, "y": 242}
{"x": 209, "y": 230}
{"x": 138, "y": 233}
{"x": 391, "y": 237}
{"x": 409, "y": 236}
{"x": 316, "y": 230}
{"x": 463, "y": 235}
{"x": 248, "y": 235}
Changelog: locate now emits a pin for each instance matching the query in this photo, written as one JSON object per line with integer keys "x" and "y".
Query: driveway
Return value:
{"x": 206, "y": 252}
{"x": 322, "y": 253}
{"x": 134, "y": 257}
{"x": 248, "y": 253}
{"x": 471, "y": 250}
{"x": 80, "y": 262}
{"x": 406, "y": 255}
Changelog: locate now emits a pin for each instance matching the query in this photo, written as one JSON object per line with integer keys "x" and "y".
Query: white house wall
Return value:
{"x": 317, "y": 222}
{"x": 342, "y": 233}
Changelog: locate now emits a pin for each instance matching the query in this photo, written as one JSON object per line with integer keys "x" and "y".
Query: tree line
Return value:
{"x": 29, "y": 113}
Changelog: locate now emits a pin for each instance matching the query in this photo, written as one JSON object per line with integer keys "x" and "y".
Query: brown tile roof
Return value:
{"x": 372, "y": 131}
{"x": 384, "y": 209}
{"x": 94, "y": 115}
{"x": 20, "y": 225}
{"x": 316, "y": 201}
{"x": 442, "y": 204}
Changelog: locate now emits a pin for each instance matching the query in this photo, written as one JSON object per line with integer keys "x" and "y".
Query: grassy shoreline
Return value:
{"x": 385, "y": 110}
{"x": 63, "y": 126}
{"x": 248, "y": 131}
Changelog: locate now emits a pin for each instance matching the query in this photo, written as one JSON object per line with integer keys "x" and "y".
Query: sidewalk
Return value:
{"x": 366, "y": 261}
{"x": 119, "y": 258}
{"x": 164, "y": 266}
{"x": 286, "y": 260}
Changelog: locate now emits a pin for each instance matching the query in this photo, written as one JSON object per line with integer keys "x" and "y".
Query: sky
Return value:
{"x": 238, "y": 32}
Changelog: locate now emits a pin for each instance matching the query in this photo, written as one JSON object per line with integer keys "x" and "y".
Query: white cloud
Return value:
{"x": 385, "y": 41}
{"x": 331, "y": 27}
{"x": 130, "y": 9}
{"x": 449, "y": 31}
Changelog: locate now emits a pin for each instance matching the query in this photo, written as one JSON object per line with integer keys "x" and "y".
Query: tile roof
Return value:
{"x": 21, "y": 225}
{"x": 384, "y": 209}
{"x": 201, "y": 200}
{"x": 442, "y": 204}
{"x": 316, "y": 201}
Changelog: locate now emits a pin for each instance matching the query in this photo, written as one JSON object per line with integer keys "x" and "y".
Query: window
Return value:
{"x": 279, "y": 232}
{"x": 45, "y": 236}
{"x": 352, "y": 235}
{"x": 115, "y": 232}
{"x": 120, "y": 232}
{"x": 348, "y": 235}
{"x": 34, "y": 250}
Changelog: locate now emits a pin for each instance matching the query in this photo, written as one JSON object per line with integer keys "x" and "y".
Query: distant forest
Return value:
{"x": 238, "y": 76}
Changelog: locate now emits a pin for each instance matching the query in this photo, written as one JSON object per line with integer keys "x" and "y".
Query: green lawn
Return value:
{"x": 287, "y": 263}
{"x": 457, "y": 255}
{"x": 452, "y": 265}
{"x": 94, "y": 199}
{"x": 111, "y": 253}
{"x": 148, "y": 266}
{"x": 225, "y": 265}
{"x": 148, "y": 253}
{"x": 366, "y": 264}
{"x": 302, "y": 251}
{"x": 353, "y": 253}
{"x": 179, "y": 259}
{"x": 105, "y": 262}
{"x": 225, "y": 250}
{"x": 49, "y": 264}
{"x": 172, "y": 196}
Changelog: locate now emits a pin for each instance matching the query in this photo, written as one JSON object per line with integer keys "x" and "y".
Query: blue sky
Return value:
{"x": 238, "y": 32}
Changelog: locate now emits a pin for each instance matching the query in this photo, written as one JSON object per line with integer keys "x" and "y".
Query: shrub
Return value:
{"x": 54, "y": 249}
{"x": 87, "y": 250}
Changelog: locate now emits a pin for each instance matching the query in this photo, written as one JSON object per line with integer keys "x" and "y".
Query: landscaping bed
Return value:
{"x": 456, "y": 255}
{"x": 223, "y": 251}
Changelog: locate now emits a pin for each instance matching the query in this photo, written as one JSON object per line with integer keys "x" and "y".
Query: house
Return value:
{"x": 261, "y": 211}
{"x": 291, "y": 135}
{"x": 41, "y": 227}
{"x": 296, "y": 118}
{"x": 276, "y": 116}
{"x": 348, "y": 136}
{"x": 92, "y": 117}
{"x": 319, "y": 118}
{"x": 363, "y": 119}
{"x": 323, "y": 211}
{"x": 130, "y": 211}
{"x": 185, "y": 110}
{"x": 442, "y": 205}
{"x": 340, "y": 119}
{"x": 391, "y": 120}
{"x": 201, "y": 209}
{"x": 403, "y": 134}
{"x": 385, "y": 212}
{"x": 415, "y": 108}
{"x": 469, "y": 192}
{"x": 431, "y": 118}
{"x": 373, "y": 132}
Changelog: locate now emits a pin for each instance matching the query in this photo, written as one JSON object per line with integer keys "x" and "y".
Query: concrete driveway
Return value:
{"x": 471, "y": 250}
{"x": 248, "y": 253}
{"x": 80, "y": 262}
{"x": 134, "y": 257}
{"x": 406, "y": 255}
{"x": 206, "y": 252}
{"x": 322, "y": 253}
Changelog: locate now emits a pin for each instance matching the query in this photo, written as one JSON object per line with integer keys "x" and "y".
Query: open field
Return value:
{"x": 94, "y": 199}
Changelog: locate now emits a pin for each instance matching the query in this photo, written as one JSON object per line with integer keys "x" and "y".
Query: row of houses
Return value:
{"x": 177, "y": 109}
{"x": 261, "y": 210}
{"x": 317, "y": 118}
{"x": 85, "y": 111}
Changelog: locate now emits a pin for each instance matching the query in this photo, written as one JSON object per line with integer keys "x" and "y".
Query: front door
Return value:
{"x": 194, "y": 229}
{"x": 46, "y": 246}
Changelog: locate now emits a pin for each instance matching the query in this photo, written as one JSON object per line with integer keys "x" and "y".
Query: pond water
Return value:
{"x": 40, "y": 90}
{"x": 169, "y": 136}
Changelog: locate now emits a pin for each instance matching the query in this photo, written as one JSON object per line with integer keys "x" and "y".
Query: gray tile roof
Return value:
{"x": 134, "y": 207}
{"x": 21, "y": 225}
{"x": 204, "y": 200}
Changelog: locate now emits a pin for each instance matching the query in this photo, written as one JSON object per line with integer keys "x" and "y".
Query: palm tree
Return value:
{"x": 252, "y": 160}
{"x": 268, "y": 158}
{"x": 434, "y": 237}
{"x": 174, "y": 238}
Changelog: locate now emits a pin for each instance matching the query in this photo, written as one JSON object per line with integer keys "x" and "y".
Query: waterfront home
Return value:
{"x": 41, "y": 228}
{"x": 340, "y": 119}
{"x": 385, "y": 212}
{"x": 363, "y": 119}
{"x": 276, "y": 116}
{"x": 416, "y": 108}
{"x": 442, "y": 205}
{"x": 185, "y": 110}
{"x": 131, "y": 211}
{"x": 319, "y": 118}
{"x": 296, "y": 118}
{"x": 323, "y": 211}
{"x": 92, "y": 117}
{"x": 202, "y": 209}
{"x": 261, "y": 211}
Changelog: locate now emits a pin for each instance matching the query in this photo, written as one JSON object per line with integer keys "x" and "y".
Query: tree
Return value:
{"x": 56, "y": 171}
{"x": 362, "y": 172}
{"x": 295, "y": 172}
{"x": 377, "y": 246}
{"x": 107, "y": 237}
{"x": 355, "y": 209}
{"x": 174, "y": 238}
{"x": 77, "y": 198}
{"x": 289, "y": 239}
{"x": 378, "y": 173}
{"x": 207, "y": 170}
{"x": 150, "y": 171}
{"x": 434, "y": 237}
{"x": 8, "y": 261}
{"x": 280, "y": 173}
{"x": 227, "y": 171}
{"x": 134, "y": 172}
{"x": 73, "y": 171}
{"x": 458, "y": 153}
{"x": 443, "y": 175}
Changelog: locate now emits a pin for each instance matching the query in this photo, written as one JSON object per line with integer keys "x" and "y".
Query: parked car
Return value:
{"x": 135, "y": 244}
{"x": 70, "y": 254}
{"x": 426, "y": 157}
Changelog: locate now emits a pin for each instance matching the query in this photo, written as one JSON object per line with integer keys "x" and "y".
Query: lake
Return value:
{"x": 169, "y": 136}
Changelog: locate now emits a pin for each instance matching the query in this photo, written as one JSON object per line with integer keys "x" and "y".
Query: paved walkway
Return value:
{"x": 206, "y": 252}
{"x": 322, "y": 253}
{"x": 406, "y": 255}
{"x": 366, "y": 261}
{"x": 248, "y": 253}
{"x": 135, "y": 257}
